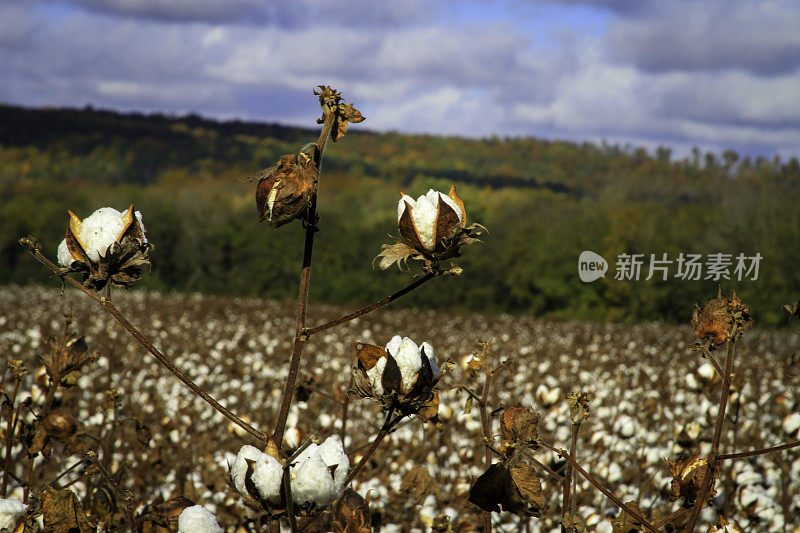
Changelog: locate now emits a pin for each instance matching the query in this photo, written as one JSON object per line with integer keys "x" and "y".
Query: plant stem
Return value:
{"x": 711, "y": 462}
{"x": 345, "y": 408}
{"x": 610, "y": 495}
{"x": 568, "y": 477}
{"x": 370, "y": 308}
{"x": 13, "y": 414}
{"x": 302, "y": 299}
{"x": 762, "y": 451}
{"x": 33, "y": 247}
{"x": 487, "y": 437}
{"x": 125, "y": 494}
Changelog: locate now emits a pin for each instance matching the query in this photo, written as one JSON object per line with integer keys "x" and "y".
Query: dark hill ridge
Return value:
{"x": 179, "y": 138}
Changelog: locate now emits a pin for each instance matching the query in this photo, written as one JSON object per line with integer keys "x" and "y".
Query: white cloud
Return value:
{"x": 440, "y": 75}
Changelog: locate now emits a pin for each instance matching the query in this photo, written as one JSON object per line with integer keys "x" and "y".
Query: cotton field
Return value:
{"x": 651, "y": 399}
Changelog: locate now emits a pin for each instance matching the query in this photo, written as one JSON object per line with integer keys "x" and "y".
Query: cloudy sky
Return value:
{"x": 716, "y": 74}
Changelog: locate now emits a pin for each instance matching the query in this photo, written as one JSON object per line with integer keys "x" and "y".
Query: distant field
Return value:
{"x": 646, "y": 396}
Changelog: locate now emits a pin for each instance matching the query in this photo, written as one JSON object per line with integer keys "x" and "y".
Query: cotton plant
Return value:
{"x": 110, "y": 247}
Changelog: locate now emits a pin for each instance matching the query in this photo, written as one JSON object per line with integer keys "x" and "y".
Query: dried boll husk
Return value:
{"x": 721, "y": 319}
{"x": 60, "y": 424}
{"x": 285, "y": 191}
{"x": 352, "y": 514}
{"x": 687, "y": 476}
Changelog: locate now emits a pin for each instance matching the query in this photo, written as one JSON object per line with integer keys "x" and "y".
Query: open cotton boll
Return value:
{"x": 100, "y": 230}
{"x": 332, "y": 452}
{"x": 424, "y": 217}
{"x": 312, "y": 482}
{"x": 267, "y": 477}
{"x": 11, "y": 512}
{"x": 408, "y": 360}
{"x": 197, "y": 519}
{"x": 239, "y": 467}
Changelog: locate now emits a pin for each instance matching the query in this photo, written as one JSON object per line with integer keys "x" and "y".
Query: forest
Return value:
{"x": 543, "y": 202}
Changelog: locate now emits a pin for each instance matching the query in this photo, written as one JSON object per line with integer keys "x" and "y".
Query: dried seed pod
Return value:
{"x": 285, "y": 191}
{"x": 721, "y": 319}
{"x": 60, "y": 424}
{"x": 687, "y": 476}
{"x": 352, "y": 514}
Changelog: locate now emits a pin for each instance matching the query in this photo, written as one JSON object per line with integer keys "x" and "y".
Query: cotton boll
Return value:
{"x": 409, "y": 361}
{"x": 332, "y": 452}
{"x": 100, "y": 230}
{"x": 625, "y": 426}
{"x": 267, "y": 477}
{"x": 312, "y": 482}
{"x": 197, "y": 519}
{"x": 11, "y": 511}
{"x": 791, "y": 424}
{"x": 239, "y": 467}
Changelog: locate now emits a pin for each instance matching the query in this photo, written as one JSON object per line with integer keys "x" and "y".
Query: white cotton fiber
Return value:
{"x": 312, "y": 482}
{"x": 408, "y": 359}
{"x": 197, "y": 519}
{"x": 64, "y": 257}
{"x": 267, "y": 473}
{"x": 267, "y": 477}
{"x": 375, "y": 374}
{"x": 332, "y": 452}
{"x": 11, "y": 512}
{"x": 97, "y": 233}
{"x": 239, "y": 467}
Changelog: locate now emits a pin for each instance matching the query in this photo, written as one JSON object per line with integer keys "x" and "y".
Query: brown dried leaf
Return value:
{"x": 528, "y": 499}
{"x": 626, "y": 523}
{"x": 419, "y": 483}
{"x": 396, "y": 253}
{"x": 63, "y": 513}
{"x": 489, "y": 489}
